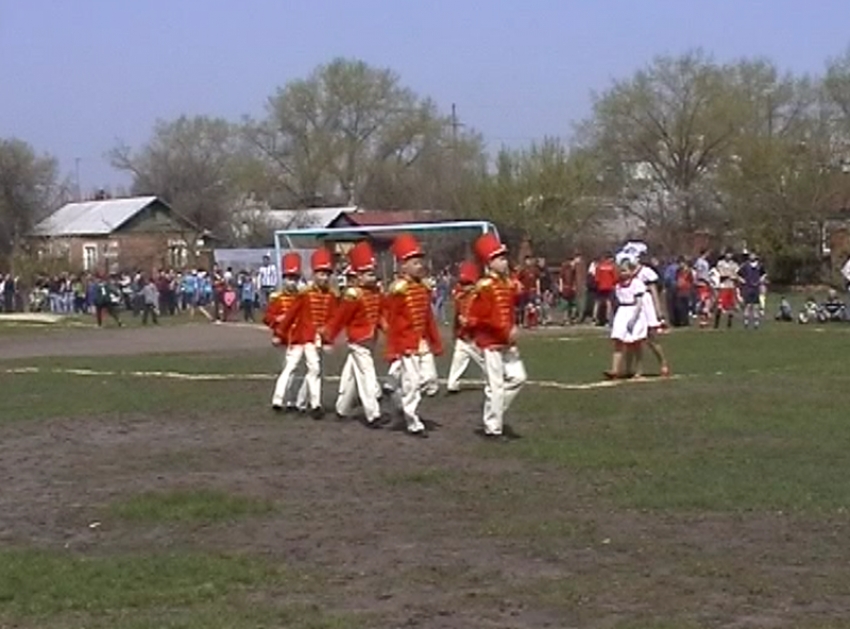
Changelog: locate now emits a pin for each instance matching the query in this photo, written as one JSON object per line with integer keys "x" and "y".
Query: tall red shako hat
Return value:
{"x": 291, "y": 264}
{"x": 468, "y": 272}
{"x": 405, "y": 247}
{"x": 488, "y": 247}
{"x": 361, "y": 257}
{"x": 322, "y": 260}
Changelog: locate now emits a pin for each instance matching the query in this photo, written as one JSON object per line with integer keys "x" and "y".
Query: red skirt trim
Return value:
{"x": 622, "y": 345}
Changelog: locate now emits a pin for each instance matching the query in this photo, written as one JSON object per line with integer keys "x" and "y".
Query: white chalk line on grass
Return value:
{"x": 220, "y": 377}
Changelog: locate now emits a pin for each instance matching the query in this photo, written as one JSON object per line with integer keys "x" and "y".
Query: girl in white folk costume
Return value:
{"x": 629, "y": 330}
{"x": 651, "y": 302}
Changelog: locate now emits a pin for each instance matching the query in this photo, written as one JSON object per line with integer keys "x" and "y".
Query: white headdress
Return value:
{"x": 635, "y": 248}
{"x": 625, "y": 258}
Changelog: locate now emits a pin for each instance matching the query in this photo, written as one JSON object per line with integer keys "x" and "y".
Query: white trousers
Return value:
{"x": 358, "y": 380}
{"x": 464, "y": 352}
{"x": 505, "y": 375}
{"x": 430, "y": 383}
{"x": 407, "y": 373}
{"x": 312, "y": 384}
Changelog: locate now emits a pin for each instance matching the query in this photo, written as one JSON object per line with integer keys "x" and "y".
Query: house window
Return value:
{"x": 178, "y": 254}
{"x": 89, "y": 257}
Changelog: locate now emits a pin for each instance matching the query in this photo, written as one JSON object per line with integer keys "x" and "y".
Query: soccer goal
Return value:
{"x": 445, "y": 242}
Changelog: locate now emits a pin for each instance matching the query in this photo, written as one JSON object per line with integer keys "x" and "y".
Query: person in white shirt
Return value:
{"x": 727, "y": 299}
{"x": 267, "y": 280}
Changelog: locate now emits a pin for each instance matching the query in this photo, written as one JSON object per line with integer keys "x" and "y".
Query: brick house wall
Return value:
{"x": 146, "y": 252}
{"x": 152, "y": 240}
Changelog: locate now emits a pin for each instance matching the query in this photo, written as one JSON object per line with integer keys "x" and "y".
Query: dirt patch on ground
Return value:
{"x": 447, "y": 532}
{"x": 427, "y": 533}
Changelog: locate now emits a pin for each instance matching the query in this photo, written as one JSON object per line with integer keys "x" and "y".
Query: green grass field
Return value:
{"x": 716, "y": 498}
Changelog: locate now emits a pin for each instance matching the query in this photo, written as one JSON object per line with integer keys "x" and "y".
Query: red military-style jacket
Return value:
{"x": 462, "y": 298}
{"x": 309, "y": 313}
{"x": 410, "y": 320}
{"x": 492, "y": 311}
{"x": 359, "y": 313}
{"x": 280, "y": 304}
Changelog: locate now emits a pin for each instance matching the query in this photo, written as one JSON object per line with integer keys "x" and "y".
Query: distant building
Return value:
{"x": 118, "y": 234}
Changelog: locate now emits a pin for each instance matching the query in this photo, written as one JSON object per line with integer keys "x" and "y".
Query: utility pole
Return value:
{"x": 455, "y": 126}
{"x": 77, "y": 161}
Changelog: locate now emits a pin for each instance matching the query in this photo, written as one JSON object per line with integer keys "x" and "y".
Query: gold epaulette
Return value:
{"x": 351, "y": 293}
{"x": 399, "y": 287}
{"x": 485, "y": 283}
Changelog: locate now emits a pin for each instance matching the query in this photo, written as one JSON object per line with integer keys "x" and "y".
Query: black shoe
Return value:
{"x": 420, "y": 434}
{"x": 375, "y": 424}
{"x": 277, "y": 408}
{"x": 317, "y": 413}
{"x": 450, "y": 392}
{"x": 290, "y": 410}
{"x": 341, "y": 418}
{"x": 383, "y": 420}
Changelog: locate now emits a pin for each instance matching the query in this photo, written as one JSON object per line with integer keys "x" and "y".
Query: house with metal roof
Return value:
{"x": 109, "y": 235}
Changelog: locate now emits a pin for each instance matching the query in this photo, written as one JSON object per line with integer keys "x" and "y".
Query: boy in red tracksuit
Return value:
{"x": 465, "y": 348}
{"x": 606, "y": 277}
{"x": 359, "y": 312}
{"x": 284, "y": 335}
{"x": 494, "y": 329}
{"x": 412, "y": 334}
{"x": 307, "y": 315}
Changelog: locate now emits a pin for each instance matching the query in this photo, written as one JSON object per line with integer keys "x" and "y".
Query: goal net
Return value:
{"x": 446, "y": 243}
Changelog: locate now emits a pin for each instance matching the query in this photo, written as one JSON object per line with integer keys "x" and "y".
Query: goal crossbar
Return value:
{"x": 287, "y": 234}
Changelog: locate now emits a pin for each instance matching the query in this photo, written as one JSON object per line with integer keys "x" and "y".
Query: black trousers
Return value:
{"x": 149, "y": 311}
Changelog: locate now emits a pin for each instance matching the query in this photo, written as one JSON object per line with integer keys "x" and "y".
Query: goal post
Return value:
{"x": 308, "y": 238}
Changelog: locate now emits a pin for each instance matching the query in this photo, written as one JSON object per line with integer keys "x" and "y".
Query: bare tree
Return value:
{"x": 192, "y": 164}
{"x": 660, "y": 135}
{"x": 351, "y": 133}
{"x": 29, "y": 190}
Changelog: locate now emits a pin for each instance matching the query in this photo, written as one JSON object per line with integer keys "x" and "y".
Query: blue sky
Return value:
{"x": 78, "y": 74}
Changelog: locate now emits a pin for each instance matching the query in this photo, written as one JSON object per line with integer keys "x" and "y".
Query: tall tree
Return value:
{"x": 780, "y": 175}
{"x": 192, "y": 163}
{"x": 29, "y": 190}
{"x": 545, "y": 193}
{"x": 352, "y": 133}
{"x": 660, "y": 135}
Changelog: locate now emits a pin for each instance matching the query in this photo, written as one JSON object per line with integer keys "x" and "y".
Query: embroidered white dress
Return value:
{"x": 648, "y": 276}
{"x": 629, "y": 294}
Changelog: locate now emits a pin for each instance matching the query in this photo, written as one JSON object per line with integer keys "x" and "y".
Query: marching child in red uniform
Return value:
{"x": 307, "y": 315}
{"x": 491, "y": 320}
{"x": 465, "y": 348}
{"x": 359, "y": 312}
{"x": 412, "y": 334}
{"x": 283, "y": 336}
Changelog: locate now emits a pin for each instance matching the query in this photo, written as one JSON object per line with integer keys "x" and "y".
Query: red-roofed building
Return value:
{"x": 368, "y": 218}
